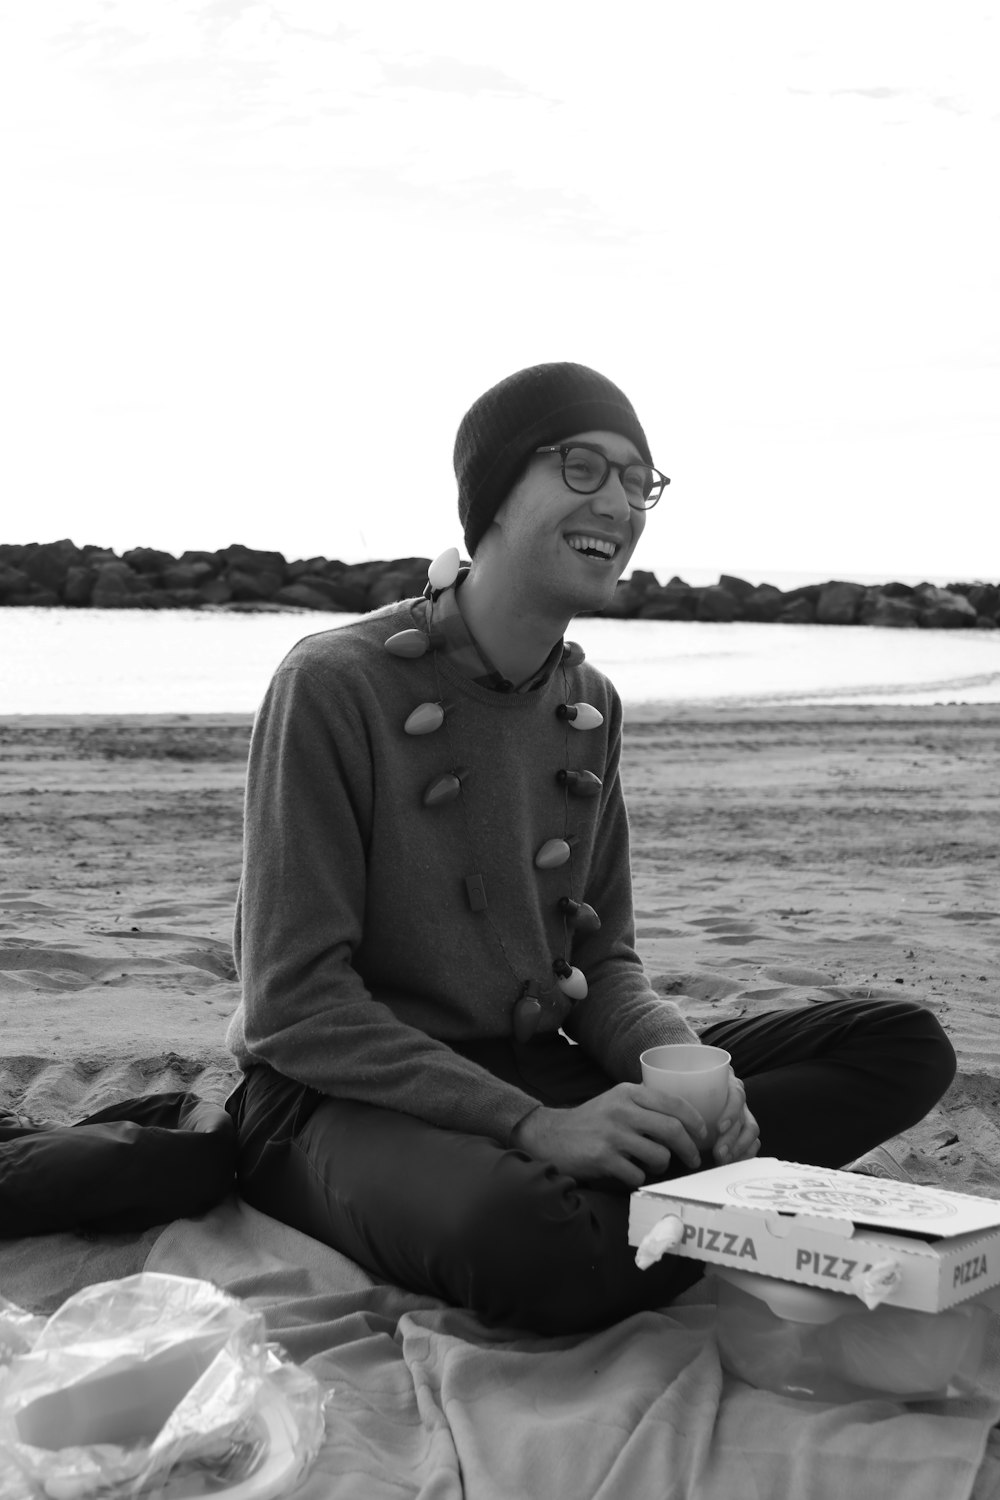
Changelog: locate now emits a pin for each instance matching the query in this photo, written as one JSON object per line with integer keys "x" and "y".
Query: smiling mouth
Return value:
{"x": 593, "y": 546}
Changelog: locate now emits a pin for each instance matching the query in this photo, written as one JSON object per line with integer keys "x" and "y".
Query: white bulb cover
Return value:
{"x": 444, "y": 569}
{"x": 587, "y": 717}
{"x": 408, "y": 643}
{"x": 574, "y": 984}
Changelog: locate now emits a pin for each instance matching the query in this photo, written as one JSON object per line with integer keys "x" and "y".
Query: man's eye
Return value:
{"x": 638, "y": 481}
{"x": 583, "y": 465}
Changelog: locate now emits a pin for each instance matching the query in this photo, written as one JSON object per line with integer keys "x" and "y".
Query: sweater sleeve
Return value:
{"x": 300, "y": 915}
{"x": 621, "y": 1014}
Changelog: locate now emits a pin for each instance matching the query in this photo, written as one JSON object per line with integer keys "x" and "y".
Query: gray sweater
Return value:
{"x": 359, "y": 948}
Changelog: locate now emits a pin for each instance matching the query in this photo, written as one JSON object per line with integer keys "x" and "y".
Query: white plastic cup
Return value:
{"x": 698, "y": 1074}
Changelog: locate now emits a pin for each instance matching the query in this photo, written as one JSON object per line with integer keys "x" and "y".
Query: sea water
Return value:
{"x": 63, "y": 661}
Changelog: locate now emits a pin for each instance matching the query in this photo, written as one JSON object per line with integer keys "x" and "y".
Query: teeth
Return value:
{"x": 593, "y": 544}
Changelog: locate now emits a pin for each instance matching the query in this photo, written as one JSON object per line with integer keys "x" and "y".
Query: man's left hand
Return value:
{"x": 739, "y": 1133}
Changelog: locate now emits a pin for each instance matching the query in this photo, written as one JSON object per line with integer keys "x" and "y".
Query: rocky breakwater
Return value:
{"x": 53, "y": 574}
{"x": 959, "y": 606}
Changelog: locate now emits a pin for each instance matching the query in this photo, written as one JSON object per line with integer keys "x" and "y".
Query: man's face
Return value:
{"x": 543, "y": 529}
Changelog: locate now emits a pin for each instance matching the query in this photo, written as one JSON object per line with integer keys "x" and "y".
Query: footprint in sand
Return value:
{"x": 33, "y": 980}
{"x": 54, "y": 966}
{"x": 63, "y": 1092}
{"x": 733, "y": 931}
{"x": 166, "y": 909}
{"x": 21, "y": 901}
{"x": 698, "y": 984}
{"x": 793, "y": 975}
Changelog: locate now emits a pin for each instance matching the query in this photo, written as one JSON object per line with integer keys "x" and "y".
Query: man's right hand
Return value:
{"x": 627, "y": 1133}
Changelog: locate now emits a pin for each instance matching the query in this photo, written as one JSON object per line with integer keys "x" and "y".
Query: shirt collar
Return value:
{"x": 449, "y": 634}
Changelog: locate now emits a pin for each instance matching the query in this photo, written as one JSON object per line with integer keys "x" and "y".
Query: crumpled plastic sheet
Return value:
{"x": 155, "y": 1385}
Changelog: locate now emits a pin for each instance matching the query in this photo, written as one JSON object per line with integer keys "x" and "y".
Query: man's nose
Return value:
{"x": 611, "y": 499}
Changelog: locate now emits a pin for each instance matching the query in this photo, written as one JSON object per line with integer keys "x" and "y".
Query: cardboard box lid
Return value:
{"x": 848, "y": 1200}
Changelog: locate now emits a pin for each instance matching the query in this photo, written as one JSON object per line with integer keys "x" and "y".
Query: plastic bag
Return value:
{"x": 158, "y": 1384}
{"x": 18, "y": 1330}
{"x": 846, "y": 1352}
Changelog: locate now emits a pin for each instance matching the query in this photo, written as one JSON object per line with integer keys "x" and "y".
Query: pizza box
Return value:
{"x": 884, "y": 1241}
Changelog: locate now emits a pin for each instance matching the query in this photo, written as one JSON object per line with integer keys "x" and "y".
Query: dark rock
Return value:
{"x": 117, "y": 587}
{"x": 942, "y": 610}
{"x": 215, "y": 591}
{"x": 363, "y": 575}
{"x": 352, "y": 597}
{"x": 79, "y": 586}
{"x": 717, "y": 604}
{"x": 839, "y": 603}
{"x": 892, "y": 610}
{"x": 397, "y": 583}
{"x": 737, "y": 587}
{"x": 329, "y": 588}
{"x": 183, "y": 575}
{"x": 47, "y": 563}
{"x": 897, "y": 590}
{"x": 984, "y": 622}
{"x": 801, "y": 610}
{"x": 764, "y": 604}
{"x": 253, "y": 584}
{"x": 630, "y": 594}
{"x": 676, "y": 600}
{"x": 985, "y": 600}
{"x": 176, "y": 599}
{"x": 296, "y": 570}
{"x": 148, "y": 560}
{"x": 302, "y": 595}
{"x": 34, "y": 595}
{"x": 810, "y": 591}
{"x": 210, "y": 559}
{"x": 249, "y": 559}
{"x": 13, "y": 581}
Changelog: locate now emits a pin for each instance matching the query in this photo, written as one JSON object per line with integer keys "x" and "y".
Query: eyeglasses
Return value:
{"x": 585, "y": 469}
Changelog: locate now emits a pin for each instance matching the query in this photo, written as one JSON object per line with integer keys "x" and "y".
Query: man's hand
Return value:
{"x": 626, "y": 1133}
{"x": 739, "y": 1133}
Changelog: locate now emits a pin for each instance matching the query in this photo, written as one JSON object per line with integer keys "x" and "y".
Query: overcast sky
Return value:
{"x": 260, "y": 257}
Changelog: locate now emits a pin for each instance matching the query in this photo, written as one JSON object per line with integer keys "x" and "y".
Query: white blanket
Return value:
{"x": 431, "y": 1405}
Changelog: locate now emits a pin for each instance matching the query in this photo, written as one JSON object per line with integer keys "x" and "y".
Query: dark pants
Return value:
{"x": 485, "y": 1227}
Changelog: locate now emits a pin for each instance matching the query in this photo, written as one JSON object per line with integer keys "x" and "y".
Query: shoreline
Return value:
{"x": 780, "y": 857}
{"x": 638, "y": 714}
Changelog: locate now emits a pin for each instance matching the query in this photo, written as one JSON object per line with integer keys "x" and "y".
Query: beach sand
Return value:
{"x": 781, "y": 856}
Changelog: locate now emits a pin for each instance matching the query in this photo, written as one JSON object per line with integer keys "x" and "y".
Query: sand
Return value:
{"x": 781, "y": 856}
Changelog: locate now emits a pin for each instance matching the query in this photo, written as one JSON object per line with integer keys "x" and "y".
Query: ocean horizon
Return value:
{"x": 91, "y": 661}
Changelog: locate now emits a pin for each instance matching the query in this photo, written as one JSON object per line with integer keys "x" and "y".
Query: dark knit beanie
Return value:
{"x": 500, "y": 431}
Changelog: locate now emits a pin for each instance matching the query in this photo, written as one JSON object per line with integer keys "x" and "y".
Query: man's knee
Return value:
{"x": 912, "y": 1039}
{"x": 545, "y": 1254}
{"x": 934, "y": 1049}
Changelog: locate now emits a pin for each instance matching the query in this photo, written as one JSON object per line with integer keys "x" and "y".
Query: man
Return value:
{"x": 443, "y": 1009}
